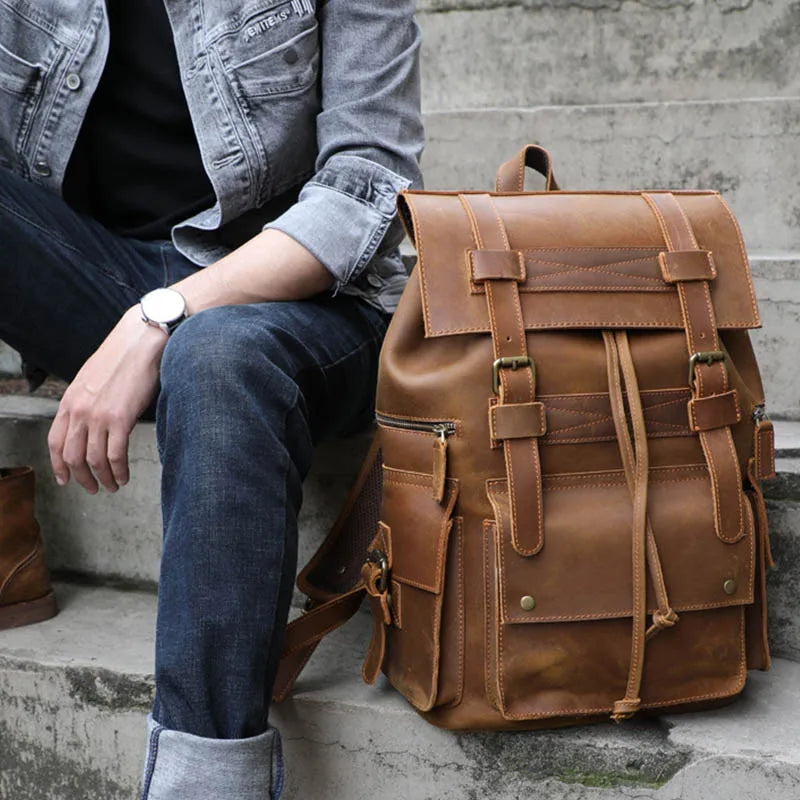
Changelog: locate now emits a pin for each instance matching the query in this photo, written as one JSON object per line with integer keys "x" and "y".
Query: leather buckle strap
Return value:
{"x": 708, "y": 368}
{"x": 513, "y": 378}
{"x": 517, "y": 421}
{"x": 687, "y": 265}
{"x": 714, "y": 411}
{"x": 708, "y": 357}
{"x": 509, "y": 362}
{"x": 496, "y": 265}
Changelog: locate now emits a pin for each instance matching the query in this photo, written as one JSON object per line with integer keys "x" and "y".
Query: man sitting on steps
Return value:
{"x": 265, "y": 142}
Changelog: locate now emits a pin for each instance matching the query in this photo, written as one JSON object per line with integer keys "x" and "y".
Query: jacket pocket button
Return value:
{"x": 42, "y": 168}
{"x": 290, "y": 56}
{"x": 73, "y": 81}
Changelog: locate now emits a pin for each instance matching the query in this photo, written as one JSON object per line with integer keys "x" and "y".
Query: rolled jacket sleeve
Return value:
{"x": 369, "y": 135}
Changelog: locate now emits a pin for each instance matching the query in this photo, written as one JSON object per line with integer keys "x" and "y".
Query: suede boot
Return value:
{"x": 25, "y": 592}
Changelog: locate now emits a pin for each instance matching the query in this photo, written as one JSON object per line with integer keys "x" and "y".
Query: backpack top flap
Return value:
{"x": 590, "y": 260}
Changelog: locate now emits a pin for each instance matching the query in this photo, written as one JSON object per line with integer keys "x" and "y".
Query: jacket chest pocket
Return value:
{"x": 20, "y": 88}
{"x": 275, "y": 51}
{"x": 272, "y": 63}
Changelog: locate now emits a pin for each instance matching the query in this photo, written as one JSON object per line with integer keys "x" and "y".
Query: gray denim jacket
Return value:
{"x": 318, "y": 93}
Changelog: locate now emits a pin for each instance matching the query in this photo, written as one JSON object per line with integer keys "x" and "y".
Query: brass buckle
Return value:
{"x": 706, "y": 357}
{"x": 509, "y": 362}
{"x": 379, "y": 557}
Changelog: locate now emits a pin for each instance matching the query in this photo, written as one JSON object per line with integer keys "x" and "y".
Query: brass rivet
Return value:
{"x": 729, "y": 587}
{"x": 527, "y": 603}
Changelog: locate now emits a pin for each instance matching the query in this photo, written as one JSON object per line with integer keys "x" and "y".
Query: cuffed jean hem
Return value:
{"x": 180, "y": 766}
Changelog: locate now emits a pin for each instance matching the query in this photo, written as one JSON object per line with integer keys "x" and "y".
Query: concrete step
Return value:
{"x": 116, "y": 538}
{"x": 74, "y": 692}
{"x": 777, "y": 283}
{"x": 745, "y": 148}
{"x": 507, "y": 53}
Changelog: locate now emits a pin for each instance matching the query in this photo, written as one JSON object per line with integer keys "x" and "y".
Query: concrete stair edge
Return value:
{"x": 74, "y": 692}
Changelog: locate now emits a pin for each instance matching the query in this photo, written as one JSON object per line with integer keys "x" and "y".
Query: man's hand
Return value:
{"x": 89, "y": 436}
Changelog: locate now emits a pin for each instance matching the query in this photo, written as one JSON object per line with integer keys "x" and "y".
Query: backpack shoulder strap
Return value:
{"x": 332, "y": 577}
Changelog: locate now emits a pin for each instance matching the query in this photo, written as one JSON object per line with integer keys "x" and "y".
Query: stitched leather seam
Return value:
{"x": 735, "y": 462}
{"x": 653, "y": 251}
{"x": 626, "y": 613}
{"x": 554, "y": 440}
{"x": 604, "y": 267}
{"x": 457, "y": 524}
{"x": 487, "y": 654}
{"x": 587, "y": 288}
{"x": 420, "y": 247}
{"x": 21, "y": 565}
{"x": 740, "y": 241}
{"x": 668, "y": 324}
{"x": 712, "y": 471}
{"x": 497, "y": 485}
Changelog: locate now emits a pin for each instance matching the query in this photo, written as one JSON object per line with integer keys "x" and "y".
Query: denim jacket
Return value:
{"x": 322, "y": 94}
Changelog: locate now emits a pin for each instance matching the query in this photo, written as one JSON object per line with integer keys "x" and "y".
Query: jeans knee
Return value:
{"x": 221, "y": 352}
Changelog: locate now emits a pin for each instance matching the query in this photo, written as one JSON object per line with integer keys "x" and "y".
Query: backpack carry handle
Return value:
{"x": 511, "y": 175}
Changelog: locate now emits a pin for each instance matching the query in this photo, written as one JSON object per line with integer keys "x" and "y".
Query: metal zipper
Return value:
{"x": 441, "y": 428}
{"x": 760, "y": 413}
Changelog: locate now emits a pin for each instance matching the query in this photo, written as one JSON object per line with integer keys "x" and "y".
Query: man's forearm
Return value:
{"x": 271, "y": 266}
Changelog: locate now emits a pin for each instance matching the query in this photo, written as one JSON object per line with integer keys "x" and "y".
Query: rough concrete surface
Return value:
{"x": 784, "y": 580}
{"x": 747, "y": 149}
{"x": 74, "y": 692}
{"x": 506, "y": 53}
{"x": 777, "y": 285}
{"x": 752, "y": 746}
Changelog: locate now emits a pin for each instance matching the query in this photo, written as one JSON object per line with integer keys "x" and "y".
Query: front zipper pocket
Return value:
{"x": 441, "y": 430}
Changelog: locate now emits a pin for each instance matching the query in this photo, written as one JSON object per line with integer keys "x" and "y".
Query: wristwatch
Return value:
{"x": 163, "y": 308}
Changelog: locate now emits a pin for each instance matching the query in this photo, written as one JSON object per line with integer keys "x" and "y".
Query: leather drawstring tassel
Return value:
{"x": 644, "y": 548}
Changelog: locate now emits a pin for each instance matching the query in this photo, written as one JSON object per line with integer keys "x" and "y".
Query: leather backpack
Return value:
{"x": 560, "y": 520}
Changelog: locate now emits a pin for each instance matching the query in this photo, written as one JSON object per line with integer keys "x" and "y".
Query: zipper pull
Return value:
{"x": 439, "y": 462}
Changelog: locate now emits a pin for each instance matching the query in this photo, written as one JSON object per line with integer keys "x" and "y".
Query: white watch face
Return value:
{"x": 163, "y": 305}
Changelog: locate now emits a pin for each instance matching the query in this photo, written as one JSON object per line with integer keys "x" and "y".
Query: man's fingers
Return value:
{"x": 97, "y": 456}
{"x": 55, "y": 444}
{"x": 118, "y": 437}
{"x": 75, "y": 455}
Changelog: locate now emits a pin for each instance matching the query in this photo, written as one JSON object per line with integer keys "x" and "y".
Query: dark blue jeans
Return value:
{"x": 245, "y": 393}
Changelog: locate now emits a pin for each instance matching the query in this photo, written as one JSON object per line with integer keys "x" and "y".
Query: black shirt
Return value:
{"x": 136, "y": 166}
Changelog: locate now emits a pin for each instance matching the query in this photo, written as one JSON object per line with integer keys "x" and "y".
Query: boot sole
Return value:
{"x": 27, "y": 613}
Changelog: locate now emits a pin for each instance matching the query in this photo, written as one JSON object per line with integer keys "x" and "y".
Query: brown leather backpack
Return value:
{"x": 561, "y": 517}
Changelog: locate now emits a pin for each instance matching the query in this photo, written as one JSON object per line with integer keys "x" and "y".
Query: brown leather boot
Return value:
{"x": 25, "y": 592}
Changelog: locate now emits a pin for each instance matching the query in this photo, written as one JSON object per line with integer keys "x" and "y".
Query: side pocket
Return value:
{"x": 419, "y": 529}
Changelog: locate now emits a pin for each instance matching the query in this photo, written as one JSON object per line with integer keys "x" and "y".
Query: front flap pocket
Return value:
{"x": 584, "y": 571}
{"x": 559, "y": 622}
{"x": 418, "y": 530}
